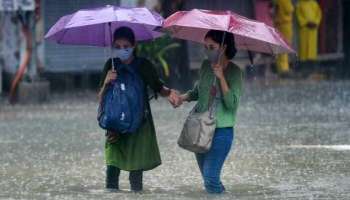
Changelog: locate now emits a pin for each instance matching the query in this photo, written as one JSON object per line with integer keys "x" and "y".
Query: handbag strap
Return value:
{"x": 213, "y": 96}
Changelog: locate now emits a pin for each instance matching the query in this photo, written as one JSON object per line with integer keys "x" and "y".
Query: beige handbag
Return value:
{"x": 199, "y": 128}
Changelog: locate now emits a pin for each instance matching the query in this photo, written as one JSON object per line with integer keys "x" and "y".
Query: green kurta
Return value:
{"x": 227, "y": 107}
{"x": 137, "y": 151}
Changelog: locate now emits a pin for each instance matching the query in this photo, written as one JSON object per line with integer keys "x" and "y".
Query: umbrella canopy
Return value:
{"x": 249, "y": 34}
{"x": 95, "y": 26}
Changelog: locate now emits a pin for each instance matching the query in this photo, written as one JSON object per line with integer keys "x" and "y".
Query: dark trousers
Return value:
{"x": 112, "y": 178}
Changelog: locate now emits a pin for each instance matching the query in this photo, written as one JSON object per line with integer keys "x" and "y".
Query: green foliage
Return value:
{"x": 157, "y": 51}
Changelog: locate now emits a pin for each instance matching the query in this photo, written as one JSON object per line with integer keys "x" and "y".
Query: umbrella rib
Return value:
{"x": 245, "y": 44}
{"x": 269, "y": 45}
{"x": 271, "y": 48}
{"x": 64, "y": 33}
{"x": 147, "y": 29}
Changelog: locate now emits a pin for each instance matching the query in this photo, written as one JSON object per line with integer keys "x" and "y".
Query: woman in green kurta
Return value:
{"x": 136, "y": 152}
{"x": 220, "y": 48}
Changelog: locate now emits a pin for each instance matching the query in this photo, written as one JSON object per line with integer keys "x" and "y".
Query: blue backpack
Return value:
{"x": 122, "y": 109}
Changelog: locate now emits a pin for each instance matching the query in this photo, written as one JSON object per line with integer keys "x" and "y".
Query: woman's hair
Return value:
{"x": 124, "y": 33}
{"x": 229, "y": 41}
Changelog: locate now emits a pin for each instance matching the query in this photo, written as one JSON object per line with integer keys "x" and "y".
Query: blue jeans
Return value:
{"x": 211, "y": 162}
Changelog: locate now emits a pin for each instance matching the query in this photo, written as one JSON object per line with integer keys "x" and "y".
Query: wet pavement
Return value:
{"x": 292, "y": 141}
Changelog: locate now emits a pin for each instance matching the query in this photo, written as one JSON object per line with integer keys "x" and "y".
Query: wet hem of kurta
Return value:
{"x": 134, "y": 169}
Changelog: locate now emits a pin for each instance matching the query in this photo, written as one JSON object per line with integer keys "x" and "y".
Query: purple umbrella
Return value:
{"x": 94, "y": 27}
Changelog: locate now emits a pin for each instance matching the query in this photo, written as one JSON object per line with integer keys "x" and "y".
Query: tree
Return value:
{"x": 180, "y": 76}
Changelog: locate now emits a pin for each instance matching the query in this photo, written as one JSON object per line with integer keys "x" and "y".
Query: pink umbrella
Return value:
{"x": 249, "y": 34}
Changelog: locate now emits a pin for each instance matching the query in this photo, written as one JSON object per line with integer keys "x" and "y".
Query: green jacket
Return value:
{"x": 228, "y": 104}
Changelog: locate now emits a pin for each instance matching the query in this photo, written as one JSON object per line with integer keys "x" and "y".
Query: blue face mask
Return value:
{"x": 123, "y": 54}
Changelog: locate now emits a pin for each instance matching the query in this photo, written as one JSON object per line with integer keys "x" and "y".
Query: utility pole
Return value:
{"x": 32, "y": 68}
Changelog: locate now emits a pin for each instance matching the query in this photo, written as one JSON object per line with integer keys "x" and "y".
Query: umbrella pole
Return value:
{"x": 111, "y": 49}
{"x": 220, "y": 55}
{"x": 214, "y": 86}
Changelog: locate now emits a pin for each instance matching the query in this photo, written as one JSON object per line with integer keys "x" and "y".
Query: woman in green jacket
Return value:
{"x": 229, "y": 86}
{"x": 139, "y": 151}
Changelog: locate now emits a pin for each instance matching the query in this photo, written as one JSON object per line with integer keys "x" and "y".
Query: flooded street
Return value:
{"x": 292, "y": 141}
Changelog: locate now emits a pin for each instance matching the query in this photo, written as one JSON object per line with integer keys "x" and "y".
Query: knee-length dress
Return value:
{"x": 139, "y": 150}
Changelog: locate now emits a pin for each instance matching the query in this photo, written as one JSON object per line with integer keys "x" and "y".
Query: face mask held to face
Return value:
{"x": 213, "y": 55}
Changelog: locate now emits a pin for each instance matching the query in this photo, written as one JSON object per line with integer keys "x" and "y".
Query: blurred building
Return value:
{"x": 77, "y": 65}
{"x": 69, "y": 65}
{"x": 331, "y": 29}
{"x": 346, "y": 39}
{"x": 331, "y": 36}
{"x": 331, "y": 33}
{"x": 331, "y": 41}
{"x": 60, "y": 58}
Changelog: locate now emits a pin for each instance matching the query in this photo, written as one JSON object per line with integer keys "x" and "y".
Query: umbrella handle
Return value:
{"x": 251, "y": 58}
{"x": 111, "y": 49}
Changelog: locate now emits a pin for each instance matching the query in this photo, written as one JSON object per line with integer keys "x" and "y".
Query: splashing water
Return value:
{"x": 292, "y": 142}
